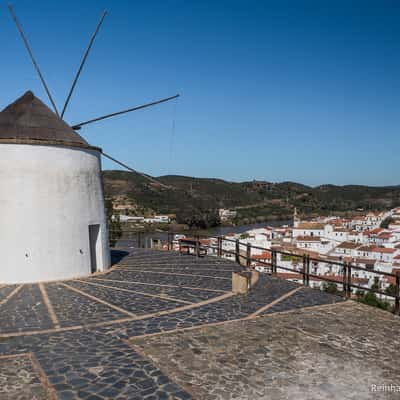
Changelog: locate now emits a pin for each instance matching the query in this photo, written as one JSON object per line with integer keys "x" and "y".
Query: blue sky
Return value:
{"x": 305, "y": 91}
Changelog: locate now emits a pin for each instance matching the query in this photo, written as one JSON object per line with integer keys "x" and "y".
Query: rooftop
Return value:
{"x": 29, "y": 119}
{"x": 160, "y": 325}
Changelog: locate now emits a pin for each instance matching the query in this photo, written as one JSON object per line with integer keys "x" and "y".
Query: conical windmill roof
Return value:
{"x": 29, "y": 120}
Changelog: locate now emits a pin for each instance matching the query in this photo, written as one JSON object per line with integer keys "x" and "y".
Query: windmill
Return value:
{"x": 78, "y": 126}
{"x": 52, "y": 220}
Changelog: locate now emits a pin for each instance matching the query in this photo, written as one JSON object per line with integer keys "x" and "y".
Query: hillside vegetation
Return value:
{"x": 255, "y": 200}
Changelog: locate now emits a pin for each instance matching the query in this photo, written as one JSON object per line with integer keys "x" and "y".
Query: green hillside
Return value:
{"x": 252, "y": 200}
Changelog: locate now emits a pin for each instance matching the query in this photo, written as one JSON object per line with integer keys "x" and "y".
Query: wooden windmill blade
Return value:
{"x": 35, "y": 64}
{"x": 148, "y": 177}
{"x": 114, "y": 114}
{"x": 83, "y": 62}
{"x": 75, "y": 81}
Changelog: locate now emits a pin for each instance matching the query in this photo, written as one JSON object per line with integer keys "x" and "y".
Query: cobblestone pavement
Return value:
{"x": 70, "y": 339}
{"x": 321, "y": 353}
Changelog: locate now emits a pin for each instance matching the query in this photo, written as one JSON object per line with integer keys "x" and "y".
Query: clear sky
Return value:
{"x": 306, "y": 91}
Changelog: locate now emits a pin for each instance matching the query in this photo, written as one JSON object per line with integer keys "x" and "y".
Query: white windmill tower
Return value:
{"x": 52, "y": 215}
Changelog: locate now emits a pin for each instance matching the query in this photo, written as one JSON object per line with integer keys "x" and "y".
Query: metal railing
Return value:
{"x": 245, "y": 258}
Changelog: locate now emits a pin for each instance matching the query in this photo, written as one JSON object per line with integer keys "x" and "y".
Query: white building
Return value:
{"x": 52, "y": 216}
{"x": 226, "y": 214}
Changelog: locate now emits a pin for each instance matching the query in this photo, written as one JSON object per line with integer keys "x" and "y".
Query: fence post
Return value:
{"x": 273, "y": 262}
{"x": 248, "y": 255}
{"x": 304, "y": 269}
{"x": 219, "y": 247}
{"x": 348, "y": 280}
{"x": 397, "y": 300}
{"x": 237, "y": 251}
{"x": 308, "y": 270}
{"x": 344, "y": 279}
{"x": 197, "y": 246}
{"x": 169, "y": 241}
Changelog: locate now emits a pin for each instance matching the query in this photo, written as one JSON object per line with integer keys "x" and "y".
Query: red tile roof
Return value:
{"x": 264, "y": 256}
{"x": 308, "y": 238}
{"x": 347, "y": 245}
{"x": 383, "y": 250}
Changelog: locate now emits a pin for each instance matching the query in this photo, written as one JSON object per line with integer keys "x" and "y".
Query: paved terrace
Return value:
{"x": 161, "y": 325}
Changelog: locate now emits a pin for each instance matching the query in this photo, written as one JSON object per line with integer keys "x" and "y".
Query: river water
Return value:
{"x": 132, "y": 240}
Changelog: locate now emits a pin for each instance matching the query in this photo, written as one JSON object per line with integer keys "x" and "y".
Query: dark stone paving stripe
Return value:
{"x": 236, "y": 307}
{"x": 305, "y": 297}
{"x": 6, "y": 290}
{"x": 177, "y": 292}
{"x": 134, "y": 303}
{"x": 137, "y": 291}
{"x": 73, "y": 309}
{"x": 224, "y": 273}
{"x": 25, "y": 311}
{"x": 20, "y": 379}
{"x": 176, "y": 280}
{"x": 184, "y": 272}
{"x": 183, "y": 267}
{"x": 95, "y": 364}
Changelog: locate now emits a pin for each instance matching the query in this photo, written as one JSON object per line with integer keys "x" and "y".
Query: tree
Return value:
{"x": 371, "y": 299}
{"x": 386, "y": 222}
{"x": 198, "y": 218}
{"x": 391, "y": 290}
{"x": 113, "y": 221}
{"x": 331, "y": 288}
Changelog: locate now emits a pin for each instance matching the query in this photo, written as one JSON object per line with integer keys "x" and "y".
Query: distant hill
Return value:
{"x": 253, "y": 200}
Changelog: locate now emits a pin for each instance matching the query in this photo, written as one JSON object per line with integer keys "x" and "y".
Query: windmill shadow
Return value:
{"x": 117, "y": 256}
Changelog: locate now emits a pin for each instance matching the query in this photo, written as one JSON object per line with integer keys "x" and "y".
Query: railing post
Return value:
{"x": 273, "y": 262}
{"x": 248, "y": 255}
{"x": 237, "y": 251}
{"x": 308, "y": 270}
{"x": 344, "y": 280}
{"x": 397, "y": 300}
{"x": 139, "y": 241}
{"x": 197, "y": 246}
{"x": 169, "y": 241}
{"x": 219, "y": 247}
{"x": 304, "y": 269}
{"x": 349, "y": 280}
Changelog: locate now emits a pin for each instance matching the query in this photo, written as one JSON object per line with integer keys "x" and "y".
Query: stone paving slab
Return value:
{"x": 223, "y": 273}
{"x": 73, "y": 309}
{"x": 25, "y": 311}
{"x": 88, "y": 356}
{"x": 192, "y": 295}
{"x": 92, "y": 364}
{"x": 305, "y": 297}
{"x": 321, "y": 353}
{"x": 165, "y": 279}
{"x": 134, "y": 303}
{"x": 5, "y": 291}
{"x": 20, "y": 379}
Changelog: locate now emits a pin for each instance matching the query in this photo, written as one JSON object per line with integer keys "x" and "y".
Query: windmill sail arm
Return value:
{"x": 83, "y": 63}
{"x": 35, "y": 64}
{"x": 78, "y": 126}
{"x": 133, "y": 170}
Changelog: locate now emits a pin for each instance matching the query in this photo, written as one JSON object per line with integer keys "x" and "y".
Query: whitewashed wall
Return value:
{"x": 49, "y": 195}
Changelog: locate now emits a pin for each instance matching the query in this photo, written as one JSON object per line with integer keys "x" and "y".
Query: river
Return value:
{"x": 145, "y": 237}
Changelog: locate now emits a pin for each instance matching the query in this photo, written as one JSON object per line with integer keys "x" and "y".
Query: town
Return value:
{"x": 370, "y": 242}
